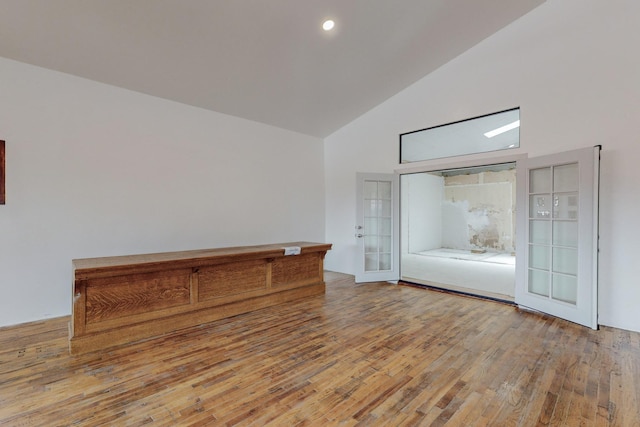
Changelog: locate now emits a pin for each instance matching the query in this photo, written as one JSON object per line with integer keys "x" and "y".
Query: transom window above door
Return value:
{"x": 491, "y": 132}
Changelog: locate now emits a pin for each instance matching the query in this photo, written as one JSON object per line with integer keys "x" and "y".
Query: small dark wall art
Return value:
{"x": 2, "y": 187}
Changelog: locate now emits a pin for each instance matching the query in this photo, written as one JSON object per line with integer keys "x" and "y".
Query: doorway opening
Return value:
{"x": 458, "y": 229}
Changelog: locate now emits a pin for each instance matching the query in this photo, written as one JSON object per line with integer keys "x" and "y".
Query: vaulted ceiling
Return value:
{"x": 263, "y": 60}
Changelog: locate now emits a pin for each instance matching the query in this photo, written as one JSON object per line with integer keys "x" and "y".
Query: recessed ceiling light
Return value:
{"x": 328, "y": 25}
{"x": 502, "y": 129}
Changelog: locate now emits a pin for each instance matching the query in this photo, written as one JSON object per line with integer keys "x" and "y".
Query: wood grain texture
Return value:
{"x": 359, "y": 355}
{"x": 296, "y": 269}
{"x": 122, "y": 296}
{"x": 159, "y": 324}
{"x": 116, "y": 301}
{"x": 89, "y": 268}
{"x": 232, "y": 279}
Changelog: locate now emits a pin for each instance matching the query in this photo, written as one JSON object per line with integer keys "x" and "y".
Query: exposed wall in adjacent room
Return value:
{"x": 421, "y": 201}
{"x": 570, "y": 66}
{"x": 93, "y": 170}
{"x": 478, "y": 211}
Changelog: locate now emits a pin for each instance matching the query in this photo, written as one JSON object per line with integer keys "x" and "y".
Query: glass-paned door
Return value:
{"x": 376, "y": 229}
{"x": 559, "y": 226}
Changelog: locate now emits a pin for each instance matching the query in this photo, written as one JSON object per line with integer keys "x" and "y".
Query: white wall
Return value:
{"x": 572, "y": 67}
{"x": 421, "y": 200}
{"x": 94, "y": 170}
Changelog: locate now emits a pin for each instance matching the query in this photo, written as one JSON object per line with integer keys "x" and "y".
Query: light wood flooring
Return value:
{"x": 361, "y": 355}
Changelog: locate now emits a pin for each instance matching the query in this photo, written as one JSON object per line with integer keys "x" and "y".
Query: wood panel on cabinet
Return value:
{"x": 118, "y": 300}
{"x": 296, "y": 270}
{"x": 232, "y": 279}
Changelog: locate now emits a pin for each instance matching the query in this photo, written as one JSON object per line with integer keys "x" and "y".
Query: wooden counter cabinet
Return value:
{"x": 118, "y": 300}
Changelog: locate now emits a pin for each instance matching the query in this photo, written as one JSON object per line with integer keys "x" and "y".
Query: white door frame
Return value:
{"x": 521, "y": 263}
{"x": 393, "y": 274}
{"x": 447, "y": 164}
{"x": 585, "y": 309}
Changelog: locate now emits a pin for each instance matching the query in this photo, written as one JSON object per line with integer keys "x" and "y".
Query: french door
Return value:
{"x": 377, "y": 229}
{"x": 556, "y": 235}
{"x": 557, "y": 246}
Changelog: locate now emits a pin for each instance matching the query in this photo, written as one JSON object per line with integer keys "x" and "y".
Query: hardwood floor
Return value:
{"x": 361, "y": 355}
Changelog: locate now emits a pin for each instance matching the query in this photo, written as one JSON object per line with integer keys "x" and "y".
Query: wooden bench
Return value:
{"x": 123, "y": 299}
